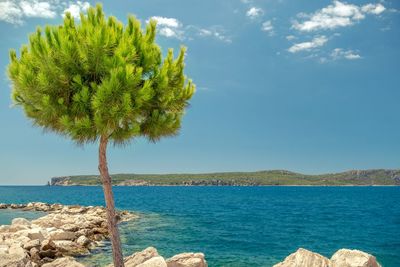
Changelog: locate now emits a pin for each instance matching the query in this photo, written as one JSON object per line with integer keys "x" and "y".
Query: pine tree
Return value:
{"x": 98, "y": 80}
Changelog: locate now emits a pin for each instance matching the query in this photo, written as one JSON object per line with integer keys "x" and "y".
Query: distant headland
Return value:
{"x": 258, "y": 178}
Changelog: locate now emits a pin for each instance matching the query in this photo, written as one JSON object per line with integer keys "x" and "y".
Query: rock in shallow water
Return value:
{"x": 304, "y": 258}
{"x": 187, "y": 260}
{"x": 353, "y": 258}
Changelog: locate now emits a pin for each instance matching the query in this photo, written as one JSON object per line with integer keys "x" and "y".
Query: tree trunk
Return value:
{"x": 110, "y": 207}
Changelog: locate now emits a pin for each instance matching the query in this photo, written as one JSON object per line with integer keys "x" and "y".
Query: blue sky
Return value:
{"x": 307, "y": 86}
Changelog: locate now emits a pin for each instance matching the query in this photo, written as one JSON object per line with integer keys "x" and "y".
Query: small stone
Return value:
{"x": 83, "y": 241}
{"x": 48, "y": 244}
{"x": 32, "y": 243}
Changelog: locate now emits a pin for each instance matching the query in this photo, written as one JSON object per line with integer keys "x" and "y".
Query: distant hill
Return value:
{"x": 273, "y": 177}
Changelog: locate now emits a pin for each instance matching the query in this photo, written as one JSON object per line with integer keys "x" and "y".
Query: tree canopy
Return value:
{"x": 98, "y": 77}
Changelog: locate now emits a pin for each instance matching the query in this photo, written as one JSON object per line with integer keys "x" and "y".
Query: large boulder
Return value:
{"x": 16, "y": 257}
{"x": 187, "y": 260}
{"x": 353, "y": 258}
{"x": 64, "y": 262}
{"x": 153, "y": 262}
{"x": 304, "y": 258}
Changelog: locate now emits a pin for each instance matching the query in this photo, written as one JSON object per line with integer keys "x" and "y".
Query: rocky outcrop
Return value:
{"x": 353, "y": 258}
{"x": 342, "y": 258}
{"x": 50, "y": 240}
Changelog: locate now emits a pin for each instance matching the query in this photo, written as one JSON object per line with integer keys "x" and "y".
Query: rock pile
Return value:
{"x": 341, "y": 258}
{"x": 65, "y": 231}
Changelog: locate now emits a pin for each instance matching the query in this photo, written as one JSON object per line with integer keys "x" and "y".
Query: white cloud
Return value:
{"x": 339, "y": 53}
{"x": 268, "y": 27}
{"x": 37, "y": 9}
{"x": 76, "y": 8}
{"x": 306, "y": 46}
{"x": 10, "y": 12}
{"x": 169, "y": 27}
{"x": 16, "y": 12}
{"x": 214, "y": 32}
{"x": 290, "y": 37}
{"x": 375, "y": 9}
{"x": 338, "y": 14}
{"x": 254, "y": 12}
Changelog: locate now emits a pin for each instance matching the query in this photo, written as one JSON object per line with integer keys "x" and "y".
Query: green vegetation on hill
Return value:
{"x": 274, "y": 177}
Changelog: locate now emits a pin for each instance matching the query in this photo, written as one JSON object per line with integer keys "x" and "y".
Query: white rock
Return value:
{"x": 187, "y": 260}
{"x": 32, "y": 243}
{"x": 36, "y": 233}
{"x": 83, "y": 241}
{"x": 64, "y": 262}
{"x": 303, "y": 258}
{"x": 139, "y": 257}
{"x": 3, "y": 249}
{"x": 62, "y": 235}
{"x": 16, "y": 257}
{"x": 20, "y": 221}
{"x": 353, "y": 258}
{"x": 153, "y": 262}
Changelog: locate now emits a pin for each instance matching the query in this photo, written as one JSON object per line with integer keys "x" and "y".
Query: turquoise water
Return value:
{"x": 243, "y": 226}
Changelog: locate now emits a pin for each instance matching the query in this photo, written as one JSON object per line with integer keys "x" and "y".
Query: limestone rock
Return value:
{"x": 304, "y": 258}
{"x": 62, "y": 235}
{"x": 353, "y": 258}
{"x": 187, "y": 260}
{"x": 16, "y": 257}
{"x": 83, "y": 241}
{"x": 35, "y": 233}
{"x": 20, "y": 221}
{"x": 63, "y": 262}
{"x": 139, "y": 257}
{"x": 153, "y": 262}
{"x": 31, "y": 244}
{"x": 69, "y": 248}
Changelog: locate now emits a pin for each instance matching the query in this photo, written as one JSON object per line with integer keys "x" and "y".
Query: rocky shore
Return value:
{"x": 65, "y": 231}
{"x": 68, "y": 231}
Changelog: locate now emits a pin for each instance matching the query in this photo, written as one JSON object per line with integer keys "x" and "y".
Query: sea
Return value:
{"x": 238, "y": 226}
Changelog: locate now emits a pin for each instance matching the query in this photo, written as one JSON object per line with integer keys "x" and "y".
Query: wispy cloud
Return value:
{"x": 254, "y": 12}
{"x": 306, "y": 46}
{"x": 169, "y": 27}
{"x": 290, "y": 37}
{"x": 338, "y": 14}
{"x": 15, "y": 12}
{"x": 173, "y": 28}
{"x": 214, "y": 32}
{"x": 76, "y": 8}
{"x": 267, "y": 26}
{"x": 339, "y": 53}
